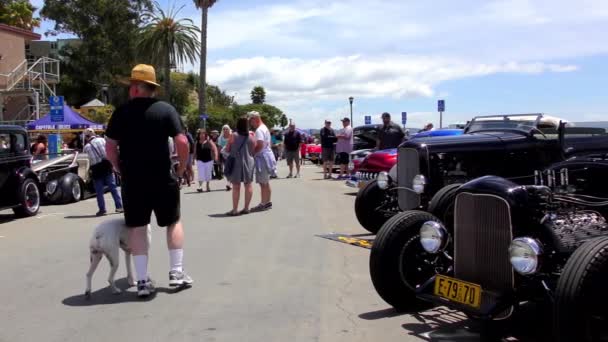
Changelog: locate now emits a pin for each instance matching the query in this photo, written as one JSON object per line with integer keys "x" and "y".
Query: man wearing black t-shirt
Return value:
{"x": 293, "y": 140}
{"x": 328, "y": 148}
{"x": 390, "y": 135}
{"x": 149, "y": 183}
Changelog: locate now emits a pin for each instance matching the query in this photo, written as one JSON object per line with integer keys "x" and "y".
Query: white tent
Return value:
{"x": 93, "y": 103}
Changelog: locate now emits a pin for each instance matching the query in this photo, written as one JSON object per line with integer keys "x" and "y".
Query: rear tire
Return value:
{"x": 368, "y": 200}
{"x": 393, "y": 265}
{"x": 580, "y": 295}
{"x": 442, "y": 204}
{"x": 29, "y": 199}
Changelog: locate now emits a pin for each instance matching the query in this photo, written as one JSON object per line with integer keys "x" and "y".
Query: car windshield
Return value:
{"x": 524, "y": 123}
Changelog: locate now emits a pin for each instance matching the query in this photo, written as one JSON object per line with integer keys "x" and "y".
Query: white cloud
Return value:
{"x": 398, "y": 76}
{"x": 299, "y": 85}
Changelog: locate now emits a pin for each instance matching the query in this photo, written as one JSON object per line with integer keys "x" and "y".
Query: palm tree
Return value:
{"x": 202, "y": 98}
{"x": 167, "y": 41}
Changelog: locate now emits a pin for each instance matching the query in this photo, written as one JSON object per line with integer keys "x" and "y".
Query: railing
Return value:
{"x": 12, "y": 78}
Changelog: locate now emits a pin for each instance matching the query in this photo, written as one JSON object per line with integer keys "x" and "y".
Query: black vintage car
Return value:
{"x": 18, "y": 183}
{"x": 508, "y": 244}
{"x": 429, "y": 170}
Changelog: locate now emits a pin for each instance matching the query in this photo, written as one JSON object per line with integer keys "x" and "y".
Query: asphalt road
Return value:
{"x": 259, "y": 277}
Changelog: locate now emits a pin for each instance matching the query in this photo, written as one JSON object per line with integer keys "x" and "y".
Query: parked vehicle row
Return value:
{"x": 513, "y": 211}
{"x": 26, "y": 184}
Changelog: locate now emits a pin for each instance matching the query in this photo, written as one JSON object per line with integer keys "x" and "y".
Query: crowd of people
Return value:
{"x": 242, "y": 156}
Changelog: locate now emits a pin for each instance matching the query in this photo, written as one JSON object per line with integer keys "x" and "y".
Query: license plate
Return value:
{"x": 362, "y": 184}
{"x": 458, "y": 291}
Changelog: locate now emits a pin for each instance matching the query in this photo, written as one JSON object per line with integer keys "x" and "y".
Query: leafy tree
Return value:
{"x": 18, "y": 13}
{"x": 181, "y": 92}
{"x": 258, "y": 95}
{"x": 283, "y": 123}
{"x": 166, "y": 41}
{"x": 271, "y": 115}
{"x": 108, "y": 32}
{"x": 204, "y": 5}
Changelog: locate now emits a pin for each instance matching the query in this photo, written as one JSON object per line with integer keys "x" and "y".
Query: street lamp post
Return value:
{"x": 350, "y": 99}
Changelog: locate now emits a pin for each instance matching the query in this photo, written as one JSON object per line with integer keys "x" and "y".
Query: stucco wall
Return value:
{"x": 12, "y": 49}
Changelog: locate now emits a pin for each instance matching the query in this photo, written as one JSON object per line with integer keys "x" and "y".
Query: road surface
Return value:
{"x": 260, "y": 277}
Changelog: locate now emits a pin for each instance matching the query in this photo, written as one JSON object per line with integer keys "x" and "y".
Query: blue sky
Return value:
{"x": 482, "y": 57}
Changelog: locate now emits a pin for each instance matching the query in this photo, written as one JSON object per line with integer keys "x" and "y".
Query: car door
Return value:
{"x": 5, "y": 160}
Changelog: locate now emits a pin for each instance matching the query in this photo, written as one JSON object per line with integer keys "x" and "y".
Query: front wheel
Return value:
{"x": 71, "y": 187}
{"x": 580, "y": 298}
{"x": 29, "y": 199}
{"x": 374, "y": 206}
{"x": 398, "y": 263}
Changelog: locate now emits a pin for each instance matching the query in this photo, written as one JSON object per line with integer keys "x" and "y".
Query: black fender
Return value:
{"x": 25, "y": 172}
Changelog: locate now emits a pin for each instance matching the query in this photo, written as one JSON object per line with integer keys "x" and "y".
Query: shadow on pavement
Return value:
{"x": 5, "y": 218}
{"x": 104, "y": 296}
{"x": 379, "y": 314}
{"x": 89, "y": 216}
{"x": 202, "y": 193}
{"x": 442, "y": 324}
{"x": 351, "y": 193}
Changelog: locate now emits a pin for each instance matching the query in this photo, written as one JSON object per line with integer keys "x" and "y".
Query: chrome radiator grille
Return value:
{"x": 482, "y": 234}
{"x": 366, "y": 176}
{"x": 408, "y": 166}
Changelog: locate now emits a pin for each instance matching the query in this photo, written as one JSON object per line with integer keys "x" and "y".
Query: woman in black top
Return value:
{"x": 206, "y": 153}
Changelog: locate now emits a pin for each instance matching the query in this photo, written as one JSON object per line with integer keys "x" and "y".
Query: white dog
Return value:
{"x": 108, "y": 237}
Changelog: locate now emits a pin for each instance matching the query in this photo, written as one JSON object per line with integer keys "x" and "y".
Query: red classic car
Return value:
{"x": 369, "y": 167}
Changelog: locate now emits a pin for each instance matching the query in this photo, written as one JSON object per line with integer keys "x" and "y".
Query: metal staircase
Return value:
{"x": 36, "y": 82}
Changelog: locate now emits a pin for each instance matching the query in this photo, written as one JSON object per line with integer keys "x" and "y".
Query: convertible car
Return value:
{"x": 65, "y": 179}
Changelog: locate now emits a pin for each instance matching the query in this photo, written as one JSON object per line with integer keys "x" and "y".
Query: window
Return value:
{"x": 20, "y": 147}
{"x": 5, "y": 143}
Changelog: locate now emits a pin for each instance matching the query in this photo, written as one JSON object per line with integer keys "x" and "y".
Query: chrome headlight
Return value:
{"x": 351, "y": 166}
{"x": 433, "y": 236}
{"x": 524, "y": 253}
{"x": 383, "y": 180}
{"x": 51, "y": 187}
{"x": 418, "y": 183}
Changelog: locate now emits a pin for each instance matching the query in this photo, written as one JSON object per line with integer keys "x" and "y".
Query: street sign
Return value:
{"x": 403, "y": 118}
{"x": 56, "y": 108}
{"x": 368, "y": 120}
{"x": 441, "y": 106}
{"x": 204, "y": 116}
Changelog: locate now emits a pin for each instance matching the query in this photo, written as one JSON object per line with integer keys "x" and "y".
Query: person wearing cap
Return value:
{"x": 328, "y": 150}
{"x": 344, "y": 147}
{"x": 293, "y": 141}
{"x": 149, "y": 183}
{"x": 101, "y": 171}
{"x": 390, "y": 135}
{"x": 265, "y": 164}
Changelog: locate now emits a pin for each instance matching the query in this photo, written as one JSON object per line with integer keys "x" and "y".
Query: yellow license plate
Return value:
{"x": 458, "y": 291}
{"x": 362, "y": 184}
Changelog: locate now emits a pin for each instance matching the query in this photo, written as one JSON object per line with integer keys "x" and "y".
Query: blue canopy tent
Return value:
{"x": 72, "y": 122}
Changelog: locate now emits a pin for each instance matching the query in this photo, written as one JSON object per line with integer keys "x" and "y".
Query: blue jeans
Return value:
{"x": 100, "y": 184}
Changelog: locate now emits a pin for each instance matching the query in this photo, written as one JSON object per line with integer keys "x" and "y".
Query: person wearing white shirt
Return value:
{"x": 264, "y": 160}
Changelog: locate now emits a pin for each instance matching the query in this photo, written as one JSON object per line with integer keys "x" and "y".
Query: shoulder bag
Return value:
{"x": 231, "y": 160}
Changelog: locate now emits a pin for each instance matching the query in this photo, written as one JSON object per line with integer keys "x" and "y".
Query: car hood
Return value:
{"x": 378, "y": 161}
{"x": 460, "y": 142}
{"x": 45, "y": 164}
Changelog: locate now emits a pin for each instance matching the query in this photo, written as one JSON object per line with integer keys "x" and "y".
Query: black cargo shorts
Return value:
{"x": 142, "y": 197}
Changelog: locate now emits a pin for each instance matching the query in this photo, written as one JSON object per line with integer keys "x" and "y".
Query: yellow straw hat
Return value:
{"x": 143, "y": 73}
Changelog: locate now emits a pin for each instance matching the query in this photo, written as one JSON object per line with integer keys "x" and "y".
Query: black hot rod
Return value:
{"x": 508, "y": 244}
{"x": 429, "y": 171}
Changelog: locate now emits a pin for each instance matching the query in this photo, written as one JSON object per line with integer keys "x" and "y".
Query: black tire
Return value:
{"x": 368, "y": 200}
{"x": 29, "y": 199}
{"x": 72, "y": 188}
{"x": 442, "y": 204}
{"x": 580, "y": 293}
{"x": 399, "y": 240}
